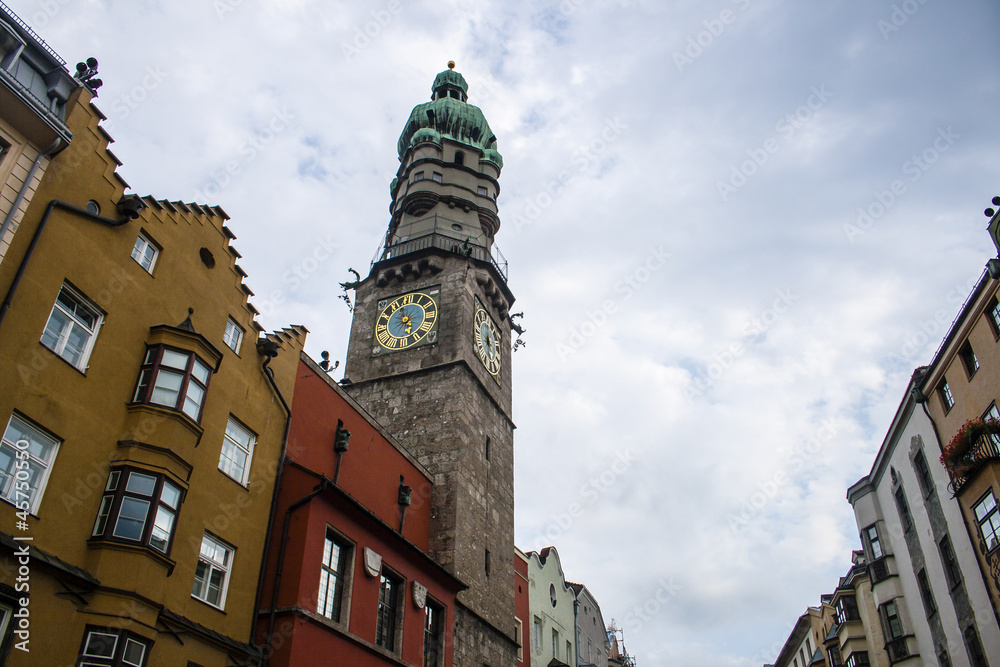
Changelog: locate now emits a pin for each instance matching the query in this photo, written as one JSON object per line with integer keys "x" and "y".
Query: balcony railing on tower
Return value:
{"x": 441, "y": 235}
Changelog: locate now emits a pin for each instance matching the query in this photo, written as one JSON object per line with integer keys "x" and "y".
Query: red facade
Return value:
{"x": 331, "y": 528}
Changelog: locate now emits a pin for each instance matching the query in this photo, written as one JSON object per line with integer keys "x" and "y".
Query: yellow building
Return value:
{"x": 142, "y": 422}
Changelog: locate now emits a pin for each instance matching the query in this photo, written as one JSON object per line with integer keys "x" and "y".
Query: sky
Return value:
{"x": 734, "y": 228}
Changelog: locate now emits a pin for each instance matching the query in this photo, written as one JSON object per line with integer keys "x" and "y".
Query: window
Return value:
{"x": 113, "y": 647}
{"x": 211, "y": 578}
{"x": 994, "y": 414}
{"x": 433, "y": 636}
{"x": 519, "y": 637}
{"x": 988, "y": 519}
{"x": 835, "y": 659}
{"x": 925, "y": 592}
{"x": 858, "y": 659}
{"x": 4, "y": 149}
{"x": 72, "y": 327}
{"x": 569, "y": 652}
{"x": 26, "y": 456}
{"x": 538, "y": 632}
{"x": 552, "y": 595}
{"x": 436, "y": 177}
{"x": 950, "y": 563}
{"x": 891, "y": 621}
{"x": 482, "y": 190}
{"x": 138, "y": 507}
{"x": 944, "y": 660}
{"x": 487, "y": 562}
{"x": 555, "y": 643}
{"x": 945, "y": 391}
{"x": 233, "y": 336}
{"x": 237, "y": 451}
{"x": 969, "y": 359}
{"x": 388, "y": 601}
{"x": 847, "y": 609}
{"x": 174, "y": 379}
{"x": 994, "y": 316}
{"x": 459, "y": 157}
{"x": 419, "y": 176}
{"x": 903, "y": 508}
{"x": 871, "y": 533}
{"x": 145, "y": 252}
{"x": 923, "y": 473}
{"x": 332, "y": 577}
{"x": 975, "y": 647}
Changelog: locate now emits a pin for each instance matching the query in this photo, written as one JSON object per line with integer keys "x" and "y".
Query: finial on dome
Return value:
{"x": 451, "y": 64}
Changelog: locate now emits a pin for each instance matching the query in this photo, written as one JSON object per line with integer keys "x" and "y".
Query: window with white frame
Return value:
{"x": 211, "y": 578}
{"x": 174, "y": 379}
{"x": 72, "y": 327}
{"x": 871, "y": 532}
{"x": 26, "y": 456}
{"x": 333, "y": 577}
{"x": 233, "y": 336}
{"x": 237, "y": 451}
{"x": 946, "y": 396}
{"x": 538, "y": 632}
{"x": 113, "y": 647}
{"x": 140, "y": 507}
{"x": 988, "y": 518}
{"x": 145, "y": 252}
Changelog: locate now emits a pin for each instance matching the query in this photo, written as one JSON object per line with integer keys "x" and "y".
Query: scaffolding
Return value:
{"x": 618, "y": 655}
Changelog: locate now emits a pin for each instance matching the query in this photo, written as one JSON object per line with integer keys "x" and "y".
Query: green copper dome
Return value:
{"x": 448, "y": 115}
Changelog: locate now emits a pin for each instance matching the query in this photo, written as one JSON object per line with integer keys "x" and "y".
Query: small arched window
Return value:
{"x": 459, "y": 157}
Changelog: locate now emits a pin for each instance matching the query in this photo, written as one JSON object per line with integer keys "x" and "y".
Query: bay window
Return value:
{"x": 173, "y": 378}
{"x": 138, "y": 507}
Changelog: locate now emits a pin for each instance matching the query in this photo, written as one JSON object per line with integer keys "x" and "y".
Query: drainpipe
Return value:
{"x": 270, "y": 350}
{"x": 324, "y": 482}
{"x": 9, "y": 220}
{"x": 130, "y": 214}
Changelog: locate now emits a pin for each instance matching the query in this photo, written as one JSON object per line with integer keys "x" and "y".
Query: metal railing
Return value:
{"x": 443, "y": 237}
{"x": 987, "y": 448}
{"x": 34, "y": 35}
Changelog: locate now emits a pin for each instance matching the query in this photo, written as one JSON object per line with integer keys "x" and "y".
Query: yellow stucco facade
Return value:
{"x": 135, "y": 400}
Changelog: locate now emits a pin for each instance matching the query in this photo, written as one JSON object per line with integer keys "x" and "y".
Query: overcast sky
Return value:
{"x": 728, "y": 223}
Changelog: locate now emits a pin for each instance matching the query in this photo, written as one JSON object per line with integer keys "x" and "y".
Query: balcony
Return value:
{"x": 442, "y": 237}
{"x": 964, "y": 466}
{"x": 878, "y": 570}
{"x": 897, "y": 650}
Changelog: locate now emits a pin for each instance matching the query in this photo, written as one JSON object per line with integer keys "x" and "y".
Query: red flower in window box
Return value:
{"x": 959, "y": 455}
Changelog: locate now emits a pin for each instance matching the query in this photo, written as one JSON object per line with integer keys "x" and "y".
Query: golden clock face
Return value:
{"x": 488, "y": 339}
{"x": 406, "y": 321}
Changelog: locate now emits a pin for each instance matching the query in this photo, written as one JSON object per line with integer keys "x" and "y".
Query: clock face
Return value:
{"x": 406, "y": 321}
{"x": 487, "y": 338}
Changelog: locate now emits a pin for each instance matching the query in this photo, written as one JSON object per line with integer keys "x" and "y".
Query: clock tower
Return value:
{"x": 429, "y": 355}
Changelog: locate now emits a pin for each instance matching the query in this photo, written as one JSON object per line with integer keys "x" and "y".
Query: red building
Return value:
{"x": 347, "y": 579}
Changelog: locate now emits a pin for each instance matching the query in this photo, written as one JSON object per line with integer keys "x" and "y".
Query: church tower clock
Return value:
{"x": 429, "y": 355}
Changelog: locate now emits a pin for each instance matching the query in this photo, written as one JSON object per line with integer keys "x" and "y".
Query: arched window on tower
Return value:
{"x": 459, "y": 157}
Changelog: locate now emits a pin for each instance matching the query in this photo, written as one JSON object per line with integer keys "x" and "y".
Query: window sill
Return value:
{"x": 81, "y": 371}
{"x": 209, "y": 605}
{"x": 133, "y": 547}
{"x": 245, "y": 487}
